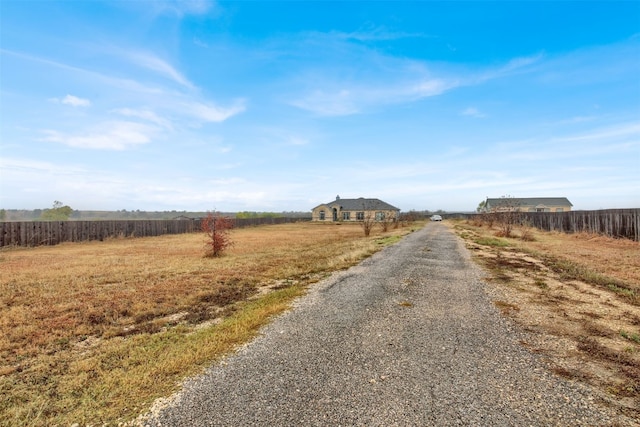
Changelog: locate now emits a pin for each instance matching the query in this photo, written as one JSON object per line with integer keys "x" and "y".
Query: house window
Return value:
{"x": 346, "y": 216}
{"x": 559, "y": 209}
{"x": 360, "y": 216}
{"x": 379, "y": 216}
{"x": 321, "y": 215}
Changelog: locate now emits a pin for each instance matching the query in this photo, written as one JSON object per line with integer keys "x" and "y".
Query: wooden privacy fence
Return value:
{"x": 621, "y": 223}
{"x": 37, "y": 233}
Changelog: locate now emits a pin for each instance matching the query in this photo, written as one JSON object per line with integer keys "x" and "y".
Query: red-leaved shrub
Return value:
{"x": 216, "y": 228}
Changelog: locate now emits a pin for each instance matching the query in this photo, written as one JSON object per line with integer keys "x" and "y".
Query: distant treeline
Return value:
{"x": 78, "y": 215}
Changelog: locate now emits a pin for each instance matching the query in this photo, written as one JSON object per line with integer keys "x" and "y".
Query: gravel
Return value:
{"x": 406, "y": 338}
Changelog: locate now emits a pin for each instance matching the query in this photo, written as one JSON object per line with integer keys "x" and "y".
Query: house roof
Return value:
{"x": 529, "y": 201}
{"x": 360, "y": 204}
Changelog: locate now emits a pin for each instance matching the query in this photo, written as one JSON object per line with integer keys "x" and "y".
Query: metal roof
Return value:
{"x": 528, "y": 201}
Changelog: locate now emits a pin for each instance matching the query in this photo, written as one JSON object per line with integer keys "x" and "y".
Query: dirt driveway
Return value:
{"x": 408, "y": 337}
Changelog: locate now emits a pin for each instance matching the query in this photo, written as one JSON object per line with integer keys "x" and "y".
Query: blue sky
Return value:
{"x": 281, "y": 106}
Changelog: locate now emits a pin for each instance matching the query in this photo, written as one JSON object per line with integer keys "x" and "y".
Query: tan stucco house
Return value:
{"x": 354, "y": 210}
{"x": 528, "y": 204}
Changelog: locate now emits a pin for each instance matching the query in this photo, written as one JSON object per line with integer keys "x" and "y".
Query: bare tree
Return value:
{"x": 507, "y": 215}
{"x": 367, "y": 218}
{"x": 387, "y": 220}
{"x": 368, "y": 221}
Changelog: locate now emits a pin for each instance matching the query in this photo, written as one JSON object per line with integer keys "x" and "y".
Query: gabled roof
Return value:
{"x": 529, "y": 201}
{"x": 361, "y": 204}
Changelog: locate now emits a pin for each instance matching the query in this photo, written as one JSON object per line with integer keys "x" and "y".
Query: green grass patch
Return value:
{"x": 631, "y": 336}
{"x": 388, "y": 240}
{"x": 629, "y": 293}
{"x": 492, "y": 241}
{"x": 541, "y": 283}
{"x": 571, "y": 271}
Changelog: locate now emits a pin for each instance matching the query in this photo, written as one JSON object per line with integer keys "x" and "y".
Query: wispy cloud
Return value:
{"x": 199, "y": 42}
{"x": 145, "y": 115}
{"x": 213, "y": 113}
{"x": 29, "y": 167}
{"x": 74, "y": 101}
{"x": 355, "y": 98}
{"x": 188, "y": 7}
{"x": 331, "y": 86}
{"x": 173, "y": 107}
{"x": 119, "y": 135}
{"x": 330, "y": 103}
{"x": 100, "y": 78}
{"x": 178, "y": 8}
{"x": 473, "y": 112}
{"x": 514, "y": 66}
{"x": 521, "y": 62}
{"x": 432, "y": 87}
{"x": 296, "y": 140}
{"x": 371, "y": 32}
{"x": 152, "y": 62}
{"x": 607, "y": 135}
{"x": 576, "y": 119}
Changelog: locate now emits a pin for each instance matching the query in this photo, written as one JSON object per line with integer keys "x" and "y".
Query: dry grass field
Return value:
{"x": 92, "y": 333}
{"x": 579, "y": 297}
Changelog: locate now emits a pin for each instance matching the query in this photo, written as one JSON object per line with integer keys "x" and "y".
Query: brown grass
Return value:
{"x": 93, "y": 332}
{"x": 578, "y": 295}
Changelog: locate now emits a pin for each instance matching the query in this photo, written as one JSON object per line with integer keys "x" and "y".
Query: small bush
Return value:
{"x": 216, "y": 229}
{"x": 527, "y": 235}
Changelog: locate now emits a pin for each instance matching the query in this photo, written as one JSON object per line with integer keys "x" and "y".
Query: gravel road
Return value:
{"x": 406, "y": 338}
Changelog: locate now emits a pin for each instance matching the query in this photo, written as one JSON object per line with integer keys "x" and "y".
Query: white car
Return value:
{"x": 436, "y": 218}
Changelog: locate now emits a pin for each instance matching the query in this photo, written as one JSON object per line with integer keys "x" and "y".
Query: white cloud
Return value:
{"x": 433, "y": 87}
{"x": 355, "y": 98}
{"x": 145, "y": 115}
{"x": 473, "y": 112}
{"x": 199, "y": 42}
{"x": 179, "y": 8}
{"x": 295, "y": 140}
{"x": 576, "y": 119}
{"x": 119, "y": 135}
{"x": 98, "y": 77}
{"x": 75, "y": 101}
{"x": 152, "y": 62}
{"x": 213, "y": 113}
{"x": 329, "y": 103}
{"x": 25, "y": 167}
{"x": 186, "y": 7}
{"x": 371, "y": 32}
{"x": 607, "y": 135}
{"x": 521, "y": 62}
{"x": 373, "y": 80}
